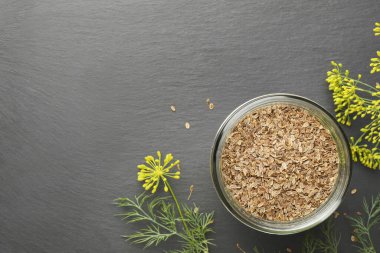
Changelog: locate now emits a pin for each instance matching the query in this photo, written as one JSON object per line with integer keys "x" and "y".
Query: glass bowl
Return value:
{"x": 318, "y": 215}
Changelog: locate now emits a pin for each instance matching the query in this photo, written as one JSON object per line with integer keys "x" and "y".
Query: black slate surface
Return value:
{"x": 85, "y": 93}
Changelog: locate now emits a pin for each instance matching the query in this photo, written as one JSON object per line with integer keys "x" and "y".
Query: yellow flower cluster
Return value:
{"x": 354, "y": 98}
{"x": 347, "y": 102}
{"x": 154, "y": 171}
{"x": 368, "y": 157}
{"x": 375, "y": 63}
{"x": 376, "y": 30}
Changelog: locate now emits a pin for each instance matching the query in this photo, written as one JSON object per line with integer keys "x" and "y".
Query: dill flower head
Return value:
{"x": 155, "y": 171}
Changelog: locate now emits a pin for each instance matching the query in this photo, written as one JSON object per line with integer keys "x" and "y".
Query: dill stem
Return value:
{"x": 359, "y": 139}
{"x": 179, "y": 208}
{"x": 358, "y": 81}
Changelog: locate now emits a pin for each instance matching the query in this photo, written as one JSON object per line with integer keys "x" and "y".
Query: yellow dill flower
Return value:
{"x": 375, "y": 63}
{"x": 376, "y": 30}
{"x": 154, "y": 171}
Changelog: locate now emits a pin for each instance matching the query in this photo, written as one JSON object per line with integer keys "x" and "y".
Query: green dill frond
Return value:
{"x": 199, "y": 226}
{"x": 161, "y": 222}
{"x": 309, "y": 244}
{"x": 329, "y": 243}
{"x": 327, "y": 240}
{"x": 157, "y": 213}
{"x": 363, "y": 224}
{"x": 152, "y": 235}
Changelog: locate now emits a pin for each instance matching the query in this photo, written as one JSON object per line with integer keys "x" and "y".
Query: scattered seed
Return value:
{"x": 187, "y": 125}
{"x": 208, "y": 101}
{"x": 353, "y": 191}
{"x": 345, "y": 214}
{"x": 289, "y": 250}
{"x": 353, "y": 238}
{"x": 336, "y": 214}
{"x": 211, "y": 106}
{"x": 358, "y": 213}
{"x": 172, "y": 107}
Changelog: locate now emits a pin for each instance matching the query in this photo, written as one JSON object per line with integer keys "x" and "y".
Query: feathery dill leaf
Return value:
{"x": 309, "y": 244}
{"x": 330, "y": 240}
{"x": 327, "y": 241}
{"x": 363, "y": 224}
{"x": 160, "y": 219}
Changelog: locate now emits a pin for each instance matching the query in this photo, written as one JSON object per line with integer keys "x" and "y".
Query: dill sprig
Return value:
{"x": 363, "y": 225}
{"x": 354, "y": 98}
{"x": 162, "y": 217}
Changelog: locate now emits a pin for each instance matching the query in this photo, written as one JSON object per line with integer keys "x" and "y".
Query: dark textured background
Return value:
{"x": 85, "y": 93}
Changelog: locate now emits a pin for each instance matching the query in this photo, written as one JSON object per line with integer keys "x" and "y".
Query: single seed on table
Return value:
{"x": 353, "y": 191}
{"x": 211, "y": 106}
{"x": 172, "y": 107}
{"x": 187, "y": 125}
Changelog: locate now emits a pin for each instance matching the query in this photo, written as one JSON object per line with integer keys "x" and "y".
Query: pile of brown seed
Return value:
{"x": 279, "y": 163}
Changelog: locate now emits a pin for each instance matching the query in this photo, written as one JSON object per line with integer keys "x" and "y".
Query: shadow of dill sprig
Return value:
{"x": 363, "y": 224}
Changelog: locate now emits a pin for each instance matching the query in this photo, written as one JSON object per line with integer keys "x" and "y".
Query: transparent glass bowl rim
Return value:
{"x": 321, "y": 213}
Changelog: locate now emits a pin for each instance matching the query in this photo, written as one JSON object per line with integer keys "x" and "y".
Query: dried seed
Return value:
{"x": 172, "y": 107}
{"x": 208, "y": 101}
{"x": 284, "y": 158}
{"x": 211, "y": 106}
{"x": 358, "y": 213}
{"x": 289, "y": 250}
{"x": 187, "y": 125}
{"x": 336, "y": 214}
{"x": 353, "y": 191}
{"x": 353, "y": 238}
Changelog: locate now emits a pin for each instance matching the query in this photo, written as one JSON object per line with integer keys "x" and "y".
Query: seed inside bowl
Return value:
{"x": 279, "y": 163}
